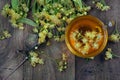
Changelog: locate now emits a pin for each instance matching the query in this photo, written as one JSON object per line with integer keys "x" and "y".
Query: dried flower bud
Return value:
{"x": 34, "y": 59}
{"x": 102, "y": 7}
{"x": 114, "y": 38}
{"x": 108, "y": 54}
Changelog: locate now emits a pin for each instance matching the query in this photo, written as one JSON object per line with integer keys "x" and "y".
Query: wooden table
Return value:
{"x": 78, "y": 68}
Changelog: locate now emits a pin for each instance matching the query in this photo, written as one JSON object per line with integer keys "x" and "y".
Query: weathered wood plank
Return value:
{"x": 9, "y": 59}
{"x": 49, "y": 70}
{"x": 99, "y": 69}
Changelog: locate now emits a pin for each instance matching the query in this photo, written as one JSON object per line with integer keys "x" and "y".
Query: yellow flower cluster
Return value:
{"x": 83, "y": 42}
{"x": 114, "y": 37}
{"x": 81, "y": 7}
{"x": 34, "y": 59}
{"x": 25, "y": 8}
{"x": 5, "y": 34}
{"x": 42, "y": 36}
{"x": 62, "y": 64}
{"x": 108, "y": 54}
{"x": 52, "y": 20}
{"x": 7, "y": 11}
{"x": 102, "y": 7}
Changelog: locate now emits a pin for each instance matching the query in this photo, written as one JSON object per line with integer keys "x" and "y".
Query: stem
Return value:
{"x": 28, "y": 3}
{"x": 83, "y": 4}
{"x": 20, "y": 64}
{"x": 115, "y": 55}
{"x": 80, "y": 3}
{"x": 34, "y": 7}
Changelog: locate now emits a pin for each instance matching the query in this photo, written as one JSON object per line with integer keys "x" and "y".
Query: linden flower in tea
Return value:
{"x": 86, "y": 41}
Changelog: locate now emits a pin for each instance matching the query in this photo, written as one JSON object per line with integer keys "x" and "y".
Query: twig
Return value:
{"x": 21, "y": 63}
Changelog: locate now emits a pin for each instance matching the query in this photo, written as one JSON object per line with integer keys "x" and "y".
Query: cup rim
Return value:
{"x": 98, "y": 51}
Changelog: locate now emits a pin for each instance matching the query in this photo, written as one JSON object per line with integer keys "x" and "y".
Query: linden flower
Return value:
{"x": 33, "y": 54}
{"x": 84, "y": 40}
{"x": 102, "y": 7}
{"x": 50, "y": 35}
{"x": 114, "y": 37}
{"x": 43, "y": 23}
{"x": 90, "y": 35}
{"x": 98, "y": 37}
{"x": 6, "y": 34}
{"x": 40, "y": 61}
{"x": 108, "y": 54}
{"x": 87, "y": 34}
{"x": 55, "y": 19}
{"x": 42, "y": 36}
{"x": 93, "y": 34}
{"x": 59, "y": 15}
{"x": 69, "y": 20}
{"x": 64, "y": 56}
{"x": 79, "y": 36}
{"x": 95, "y": 45}
{"x": 41, "y": 40}
{"x": 52, "y": 26}
{"x": 85, "y": 9}
{"x": 74, "y": 34}
{"x": 13, "y": 14}
{"x": 37, "y": 15}
{"x": 34, "y": 59}
{"x": 105, "y": 8}
{"x": 5, "y": 10}
{"x": 46, "y": 25}
{"x": 59, "y": 29}
{"x": 25, "y": 8}
{"x": 56, "y": 38}
{"x": 62, "y": 65}
{"x": 62, "y": 37}
{"x": 78, "y": 45}
{"x": 85, "y": 49}
{"x": 20, "y": 26}
{"x": 99, "y": 5}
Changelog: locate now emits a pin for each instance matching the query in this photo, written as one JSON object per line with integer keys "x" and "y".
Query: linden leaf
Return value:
{"x": 15, "y": 4}
{"x": 34, "y": 7}
{"x": 27, "y": 21}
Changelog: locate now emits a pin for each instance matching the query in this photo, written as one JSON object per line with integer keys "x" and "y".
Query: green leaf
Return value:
{"x": 34, "y": 7}
{"x": 15, "y": 4}
{"x": 27, "y": 21}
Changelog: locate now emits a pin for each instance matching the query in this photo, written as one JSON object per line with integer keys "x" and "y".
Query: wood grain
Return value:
{"x": 79, "y": 69}
{"x": 99, "y": 69}
{"x": 9, "y": 59}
